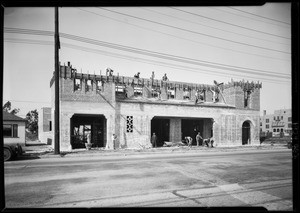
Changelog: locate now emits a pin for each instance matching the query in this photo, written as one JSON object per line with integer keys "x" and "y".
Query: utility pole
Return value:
{"x": 56, "y": 58}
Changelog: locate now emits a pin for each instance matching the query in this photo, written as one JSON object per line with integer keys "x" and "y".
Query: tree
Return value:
{"x": 7, "y": 108}
{"x": 32, "y": 121}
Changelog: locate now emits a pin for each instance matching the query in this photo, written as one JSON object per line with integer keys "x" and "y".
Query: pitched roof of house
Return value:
{"x": 11, "y": 117}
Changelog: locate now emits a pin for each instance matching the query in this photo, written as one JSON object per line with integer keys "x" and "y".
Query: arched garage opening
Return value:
{"x": 246, "y": 133}
{"x": 83, "y": 124}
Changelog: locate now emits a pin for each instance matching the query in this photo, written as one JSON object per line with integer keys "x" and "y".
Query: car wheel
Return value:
{"x": 7, "y": 154}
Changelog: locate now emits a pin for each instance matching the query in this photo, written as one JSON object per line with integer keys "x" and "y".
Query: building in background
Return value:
{"x": 134, "y": 108}
{"x": 278, "y": 123}
{"x": 45, "y": 133}
{"x": 13, "y": 129}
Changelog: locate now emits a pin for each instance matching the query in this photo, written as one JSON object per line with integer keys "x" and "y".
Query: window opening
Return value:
{"x": 171, "y": 92}
{"x": 155, "y": 92}
{"x": 138, "y": 90}
{"x": 99, "y": 85}
{"x": 186, "y": 93}
{"x": 129, "y": 122}
{"x": 77, "y": 84}
{"x": 120, "y": 89}
{"x": 88, "y": 85}
{"x": 247, "y": 98}
{"x": 10, "y": 130}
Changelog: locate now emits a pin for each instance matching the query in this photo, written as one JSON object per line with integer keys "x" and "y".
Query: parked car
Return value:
{"x": 11, "y": 151}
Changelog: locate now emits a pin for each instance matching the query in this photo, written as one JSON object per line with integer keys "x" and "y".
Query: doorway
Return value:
{"x": 161, "y": 127}
{"x": 82, "y": 125}
{"x": 246, "y": 133}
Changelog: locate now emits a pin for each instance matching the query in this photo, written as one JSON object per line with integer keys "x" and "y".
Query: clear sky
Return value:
{"x": 190, "y": 44}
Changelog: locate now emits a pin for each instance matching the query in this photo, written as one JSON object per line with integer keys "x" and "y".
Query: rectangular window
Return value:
{"x": 260, "y": 123}
{"x": 155, "y": 92}
{"x": 267, "y": 126}
{"x": 138, "y": 90}
{"x": 289, "y": 118}
{"x": 129, "y": 123}
{"x": 50, "y": 125}
{"x": 267, "y": 120}
{"x": 10, "y": 130}
{"x": 289, "y": 125}
{"x": 281, "y": 117}
{"x": 77, "y": 84}
{"x": 120, "y": 89}
{"x": 186, "y": 93}
{"x": 88, "y": 85}
{"x": 99, "y": 85}
{"x": 171, "y": 93}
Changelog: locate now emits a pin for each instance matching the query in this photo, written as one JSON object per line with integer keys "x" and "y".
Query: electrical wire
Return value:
{"x": 209, "y": 26}
{"x": 198, "y": 33}
{"x": 248, "y": 17}
{"x": 196, "y": 70}
{"x": 231, "y": 24}
{"x": 171, "y": 57}
{"x": 259, "y": 15}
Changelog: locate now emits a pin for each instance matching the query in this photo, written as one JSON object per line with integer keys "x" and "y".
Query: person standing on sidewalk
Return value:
{"x": 114, "y": 137}
{"x": 199, "y": 139}
{"x": 154, "y": 140}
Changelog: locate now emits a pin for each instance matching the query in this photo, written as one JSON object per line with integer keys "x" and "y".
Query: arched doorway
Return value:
{"x": 245, "y": 133}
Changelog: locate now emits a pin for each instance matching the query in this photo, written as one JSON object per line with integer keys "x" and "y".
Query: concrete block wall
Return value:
{"x": 208, "y": 96}
{"x": 255, "y": 99}
{"x": 179, "y": 93}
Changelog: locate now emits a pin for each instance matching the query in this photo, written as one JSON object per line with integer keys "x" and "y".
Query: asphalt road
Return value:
{"x": 253, "y": 178}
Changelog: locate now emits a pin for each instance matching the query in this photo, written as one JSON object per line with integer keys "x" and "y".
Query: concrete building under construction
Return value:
{"x": 133, "y": 108}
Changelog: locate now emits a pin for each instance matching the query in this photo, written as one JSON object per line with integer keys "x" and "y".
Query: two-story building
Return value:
{"x": 278, "y": 122}
{"x": 133, "y": 108}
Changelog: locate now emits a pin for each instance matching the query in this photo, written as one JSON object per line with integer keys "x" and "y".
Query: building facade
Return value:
{"x": 13, "y": 129}
{"x": 278, "y": 122}
{"x": 135, "y": 108}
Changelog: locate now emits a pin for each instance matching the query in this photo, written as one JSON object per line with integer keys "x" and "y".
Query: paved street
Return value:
{"x": 204, "y": 179}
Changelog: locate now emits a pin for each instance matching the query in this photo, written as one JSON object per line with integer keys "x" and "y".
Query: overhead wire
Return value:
{"x": 235, "y": 25}
{"x": 180, "y": 67}
{"x": 172, "y": 57}
{"x": 198, "y": 33}
{"x": 209, "y": 26}
{"x": 178, "y": 37}
{"x": 259, "y": 16}
{"x": 226, "y": 11}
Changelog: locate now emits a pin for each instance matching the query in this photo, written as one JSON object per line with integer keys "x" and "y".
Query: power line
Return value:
{"x": 249, "y": 17}
{"x": 198, "y": 33}
{"x": 49, "y": 33}
{"x": 228, "y": 31}
{"x": 231, "y": 24}
{"x": 172, "y": 57}
{"x": 259, "y": 16}
{"x": 196, "y": 70}
{"x": 152, "y": 30}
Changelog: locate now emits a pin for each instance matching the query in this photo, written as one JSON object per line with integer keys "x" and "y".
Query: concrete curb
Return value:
{"x": 151, "y": 151}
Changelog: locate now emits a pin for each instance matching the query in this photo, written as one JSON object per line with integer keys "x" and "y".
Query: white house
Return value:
{"x": 13, "y": 129}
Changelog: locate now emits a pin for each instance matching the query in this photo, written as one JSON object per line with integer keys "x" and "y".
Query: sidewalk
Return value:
{"x": 45, "y": 151}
